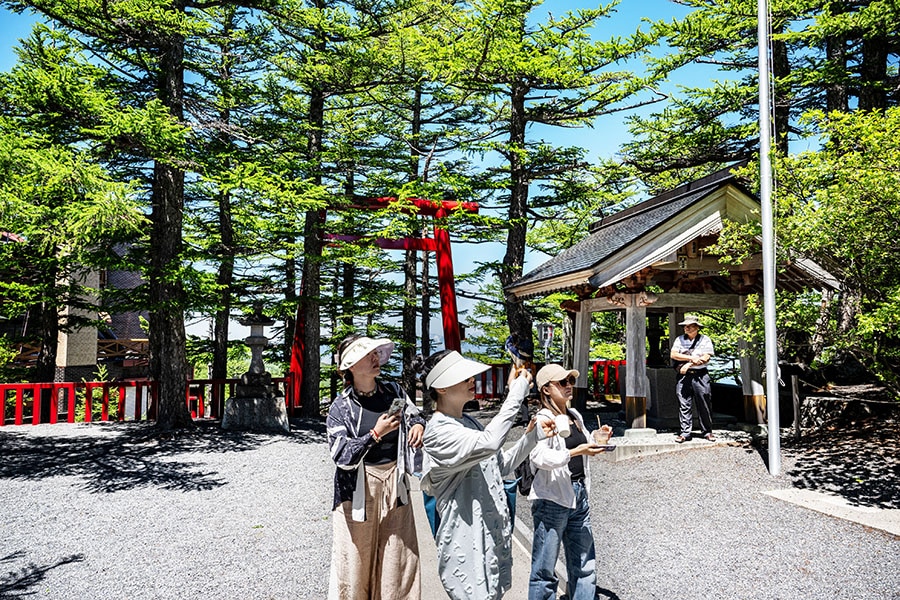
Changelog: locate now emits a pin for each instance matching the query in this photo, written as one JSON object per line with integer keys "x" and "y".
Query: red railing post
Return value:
{"x": 104, "y": 401}
{"x": 201, "y": 402}
{"x": 69, "y": 389}
{"x": 36, "y": 403}
{"x": 138, "y": 403}
{"x": 89, "y": 401}
{"x": 20, "y": 405}
{"x": 120, "y": 408}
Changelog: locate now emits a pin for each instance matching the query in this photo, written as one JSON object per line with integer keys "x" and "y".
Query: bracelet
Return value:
{"x": 375, "y": 436}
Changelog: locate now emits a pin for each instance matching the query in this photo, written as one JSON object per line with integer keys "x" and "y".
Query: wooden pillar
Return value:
{"x": 751, "y": 375}
{"x": 568, "y": 337}
{"x": 635, "y": 359}
{"x": 675, "y": 317}
{"x": 581, "y": 359}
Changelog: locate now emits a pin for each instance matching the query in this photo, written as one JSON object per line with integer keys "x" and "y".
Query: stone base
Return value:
{"x": 267, "y": 414}
{"x": 663, "y": 412}
{"x": 640, "y": 434}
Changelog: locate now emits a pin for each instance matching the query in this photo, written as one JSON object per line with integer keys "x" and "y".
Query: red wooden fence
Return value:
{"x": 205, "y": 398}
{"x": 67, "y": 399}
{"x": 603, "y": 380}
{"x": 605, "y": 384}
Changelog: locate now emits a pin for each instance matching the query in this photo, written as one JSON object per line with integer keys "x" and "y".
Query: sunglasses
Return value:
{"x": 570, "y": 380}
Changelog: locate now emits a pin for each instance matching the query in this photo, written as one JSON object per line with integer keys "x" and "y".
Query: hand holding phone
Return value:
{"x": 396, "y": 406}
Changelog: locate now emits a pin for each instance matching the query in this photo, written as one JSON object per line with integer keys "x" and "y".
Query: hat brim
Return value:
{"x": 362, "y": 347}
{"x": 697, "y": 323}
{"x": 553, "y": 372}
{"x": 452, "y": 369}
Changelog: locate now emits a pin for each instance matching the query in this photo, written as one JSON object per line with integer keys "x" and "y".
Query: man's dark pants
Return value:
{"x": 694, "y": 387}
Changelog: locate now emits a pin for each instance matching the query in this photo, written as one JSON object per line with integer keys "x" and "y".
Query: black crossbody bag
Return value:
{"x": 677, "y": 364}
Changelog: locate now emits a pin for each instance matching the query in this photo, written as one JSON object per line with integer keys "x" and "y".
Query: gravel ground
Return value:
{"x": 116, "y": 511}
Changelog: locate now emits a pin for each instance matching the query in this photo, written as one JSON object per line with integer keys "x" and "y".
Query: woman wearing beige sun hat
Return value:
{"x": 375, "y": 437}
{"x": 465, "y": 466}
{"x": 560, "y": 507}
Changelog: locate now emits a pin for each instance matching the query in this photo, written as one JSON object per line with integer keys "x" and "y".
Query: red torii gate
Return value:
{"x": 440, "y": 245}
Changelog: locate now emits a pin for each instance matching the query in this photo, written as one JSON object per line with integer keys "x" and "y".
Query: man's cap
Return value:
{"x": 361, "y": 347}
{"x": 691, "y": 320}
{"x": 452, "y": 369}
{"x": 553, "y": 372}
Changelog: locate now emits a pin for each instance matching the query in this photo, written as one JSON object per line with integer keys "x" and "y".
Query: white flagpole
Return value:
{"x": 768, "y": 240}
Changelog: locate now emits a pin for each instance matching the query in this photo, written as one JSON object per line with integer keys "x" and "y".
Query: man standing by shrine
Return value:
{"x": 690, "y": 354}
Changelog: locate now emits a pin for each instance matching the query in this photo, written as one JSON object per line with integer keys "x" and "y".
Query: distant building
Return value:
{"x": 121, "y": 345}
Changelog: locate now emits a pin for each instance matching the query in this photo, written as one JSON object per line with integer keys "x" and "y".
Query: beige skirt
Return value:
{"x": 377, "y": 559}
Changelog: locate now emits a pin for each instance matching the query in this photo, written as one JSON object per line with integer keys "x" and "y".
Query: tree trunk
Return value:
{"x": 226, "y": 250}
{"x": 836, "y": 96}
{"x": 167, "y": 336}
{"x": 873, "y": 74}
{"x": 781, "y": 67}
{"x": 426, "y": 307}
{"x": 820, "y": 335}
{"x": 290, "y": 300}
{"x": 48, "y": 327}
{"x": 408, "y": 378}
{"x": 849, "y": 308}
{"x": 45, "y": 366}
{"x": 312, "y": 256}
{"x": 224, "y": 280}
{"x": 517, "y": 318}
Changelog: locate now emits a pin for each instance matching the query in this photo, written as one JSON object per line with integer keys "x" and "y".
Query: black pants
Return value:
{"x": 694, "y": 388}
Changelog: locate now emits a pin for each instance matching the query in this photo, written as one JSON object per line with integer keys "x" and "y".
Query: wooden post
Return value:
{"x": 581, "y": 360}
{"x": 751, "y": 375}
{"x": 636, "y": 361}
{"x": 795, "y": 395}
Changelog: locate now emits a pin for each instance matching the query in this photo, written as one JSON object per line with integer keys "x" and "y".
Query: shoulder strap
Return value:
{"x": 696, "y": 339}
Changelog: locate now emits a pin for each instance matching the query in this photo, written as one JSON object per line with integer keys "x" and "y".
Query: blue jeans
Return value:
{"x": 571, "y": 527}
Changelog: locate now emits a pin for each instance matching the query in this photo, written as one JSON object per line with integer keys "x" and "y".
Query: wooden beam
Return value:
{"x": 708, "y": 263}
{"x": 671, "y": 300}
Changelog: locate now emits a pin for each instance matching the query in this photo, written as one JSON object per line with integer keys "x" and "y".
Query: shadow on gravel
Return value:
{"x": 859, "y": 463}
{"x": 19, "y": 583}
{"x": 112, "y": 457}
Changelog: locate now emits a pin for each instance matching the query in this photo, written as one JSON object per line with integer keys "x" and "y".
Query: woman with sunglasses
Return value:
{"x": 559, "y": 493}
{"x": 375, "y": 437}
{"x": 465, "y": 465}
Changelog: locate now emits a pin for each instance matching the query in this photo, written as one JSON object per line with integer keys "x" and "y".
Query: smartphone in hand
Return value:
{"x": 396, "y": 406}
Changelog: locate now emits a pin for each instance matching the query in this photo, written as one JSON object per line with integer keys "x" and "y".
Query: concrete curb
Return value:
{"x": 883, "y": 519}
{"x": 657, "y": 443}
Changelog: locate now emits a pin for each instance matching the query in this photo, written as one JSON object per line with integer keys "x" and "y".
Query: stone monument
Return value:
{"x": 257, "y": 404}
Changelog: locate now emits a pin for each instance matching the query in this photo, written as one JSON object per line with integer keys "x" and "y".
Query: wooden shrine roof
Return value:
{"x": 661, "y": 241}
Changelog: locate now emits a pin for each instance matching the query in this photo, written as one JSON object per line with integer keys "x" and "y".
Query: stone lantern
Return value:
{"x": 257, "y": 404}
